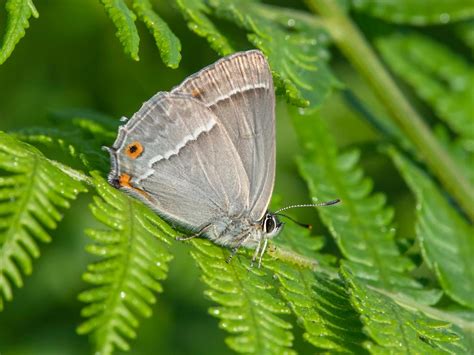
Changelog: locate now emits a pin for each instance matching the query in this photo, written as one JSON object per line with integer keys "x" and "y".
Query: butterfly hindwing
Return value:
{"x": 187, "y": 169}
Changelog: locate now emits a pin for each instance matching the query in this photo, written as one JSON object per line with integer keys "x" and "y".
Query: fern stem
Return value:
{"x": 354, "y": 46}
{"x": 73, "y": 173}
{"x": 294, "y": 258}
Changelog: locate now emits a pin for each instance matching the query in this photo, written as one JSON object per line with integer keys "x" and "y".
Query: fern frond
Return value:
{"x": 361, "y": 224}
{"x": 296, "y": 49}
{"x": 124, "y": 19}
{"x": 195, "y": 13}
{"x": 439, "y": 76}
{"x": 134, "y": 261}
{"x": 319, "y": 303}
{"x": 247, "y": 307}
{"x": 166, "y": 41}
{"x": 463, "y": 326}
{"x": 445, "y": 237}
{"x": 79, "y": 133}
{"x": 32, "y": 192}
{"x": 19, "y": 12}
{"x": 102, "y": 127}
{"x": 416, "y": 12}
{"x": 397, "y": 330}
{"x": 71, "y": 141}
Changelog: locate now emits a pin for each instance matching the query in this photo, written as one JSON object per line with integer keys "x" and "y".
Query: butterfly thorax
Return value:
{"x": 237, "y": 231}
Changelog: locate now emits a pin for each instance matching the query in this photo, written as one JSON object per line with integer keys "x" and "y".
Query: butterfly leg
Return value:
{"x": 199, "y": 233}
{"x": 237, "y": 247}
{"x": 265, "y": 242}
{"x": 256, "y": 252}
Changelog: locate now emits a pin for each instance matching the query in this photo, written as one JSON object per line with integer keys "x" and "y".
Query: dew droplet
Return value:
{"x": 302, "y": 111}
{"x": 215, "y": 312}
{"x": 444, "y": 18}
{"x": 291, "y": 22}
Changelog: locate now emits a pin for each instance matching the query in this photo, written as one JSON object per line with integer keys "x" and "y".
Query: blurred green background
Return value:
{"x": 70, "y": 58}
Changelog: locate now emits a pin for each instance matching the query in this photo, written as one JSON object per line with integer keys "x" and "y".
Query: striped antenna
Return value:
{"x": 328, "y": 203}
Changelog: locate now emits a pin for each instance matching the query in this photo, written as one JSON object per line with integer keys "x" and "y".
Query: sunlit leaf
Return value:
{"x": 196, "y": 14}
{"x": 247, "y": 307}
{"x": 167, "y": 42}
{"x": 19, "y": 12}
{"x": 396, "y": 330}
{"x": 319, "y": 302}
{"x": 32, "y": 194}
{"x": 124, "y": 20}
{"x": 134, "y": 258}
{"x": 295, "y": 46}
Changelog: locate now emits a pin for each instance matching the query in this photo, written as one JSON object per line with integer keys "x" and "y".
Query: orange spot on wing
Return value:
{"x": 195, "y": 93}
{"x": 124, "y": 181}
{"x": 134, "y": 150}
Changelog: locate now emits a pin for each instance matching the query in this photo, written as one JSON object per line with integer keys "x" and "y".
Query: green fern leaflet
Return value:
{"x": 361, "y": 223}
{"x": 396, "y": 330}
{"x": 317, "y": 299}
{"x": 19, "y": 12}
{"x": 247, "y": 306}
{"x": 32, "y": 193}
{"x": 134, "y": 259}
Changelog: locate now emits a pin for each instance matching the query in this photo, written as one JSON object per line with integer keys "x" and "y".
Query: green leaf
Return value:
{"x": 248, "y": 309}
{"x": 79, "y": 133}
{"x": 71, "y": 141}
{"x": 166, "y": 41}
{"x": 103, "y": 128}
{"x": 396, "y": 330}
{"x": 319, "y": 303}
{"x": 456, "y": 148}
{"x": 439, "y": 76}
{"x": 417, "y": 12}
{"x": 19, "y": 12}
{"x": 446, "y": 238}
{"x": 134, "y": 259}
{"x": 124, "y": 20}
{"x": 195, "y": 13}
{"x": 361, "y": 224}
{"x": 294, "y": 45}
{"x": 32, "y": 193}
{"x": 465, "y": 31}
{"x": 463, "y": 325}
{"x": 296, "y": 49}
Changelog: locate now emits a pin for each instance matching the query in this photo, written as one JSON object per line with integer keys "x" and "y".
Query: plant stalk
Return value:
{"x": 353, "y": 45}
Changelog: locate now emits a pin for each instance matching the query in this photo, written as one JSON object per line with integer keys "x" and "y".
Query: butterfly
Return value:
{"x": 203, "y": 155}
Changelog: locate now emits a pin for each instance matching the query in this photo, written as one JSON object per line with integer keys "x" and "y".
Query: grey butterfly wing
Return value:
{"x": 188, "y": 169}
{"x": 239, "y": 90}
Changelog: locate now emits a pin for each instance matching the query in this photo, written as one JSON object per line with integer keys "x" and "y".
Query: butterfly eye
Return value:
{"x": 269, "y": 224}
{"x": 134, "y": 150}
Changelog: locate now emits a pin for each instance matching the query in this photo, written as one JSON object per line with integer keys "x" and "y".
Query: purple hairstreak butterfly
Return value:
{"x": 202, "y": 156}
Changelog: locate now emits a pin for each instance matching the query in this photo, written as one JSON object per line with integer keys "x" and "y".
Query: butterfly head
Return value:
{"x": 271, "y": 225}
